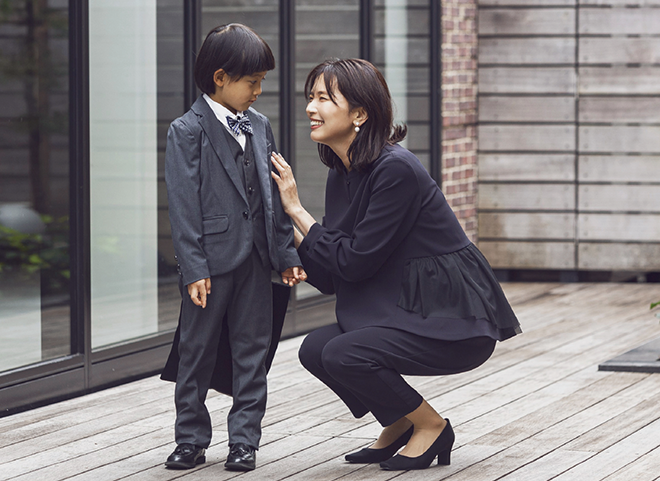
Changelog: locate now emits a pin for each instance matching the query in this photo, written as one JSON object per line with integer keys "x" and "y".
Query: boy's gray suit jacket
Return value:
{"x": 209, "y": 213}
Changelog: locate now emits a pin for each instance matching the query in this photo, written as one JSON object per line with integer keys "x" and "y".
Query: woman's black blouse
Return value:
{"x": 393, "y": 252}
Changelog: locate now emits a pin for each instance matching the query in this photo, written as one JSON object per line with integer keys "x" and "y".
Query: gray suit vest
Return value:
{"x": 247, "y": 169}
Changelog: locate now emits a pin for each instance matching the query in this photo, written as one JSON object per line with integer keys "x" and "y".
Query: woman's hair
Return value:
{"x": 363, "y": 86}
{"x": 234, "y": 48}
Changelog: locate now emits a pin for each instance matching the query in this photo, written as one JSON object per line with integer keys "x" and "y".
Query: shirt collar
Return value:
{"x": 220, "y": 111}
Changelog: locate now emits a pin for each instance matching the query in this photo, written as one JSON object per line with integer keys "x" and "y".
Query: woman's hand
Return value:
{"x": 286, "y": 183}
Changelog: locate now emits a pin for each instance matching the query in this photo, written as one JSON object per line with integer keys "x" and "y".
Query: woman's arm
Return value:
{"x": 317, "y": 275}
{"x": 287, "y": 255}
{"x": 393, "y": 206}
{"x": 297, "y": 237}
{"x": 289, "y": 196}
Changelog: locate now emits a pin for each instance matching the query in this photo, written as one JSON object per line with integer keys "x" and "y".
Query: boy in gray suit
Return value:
{"x": 229, "y": 232}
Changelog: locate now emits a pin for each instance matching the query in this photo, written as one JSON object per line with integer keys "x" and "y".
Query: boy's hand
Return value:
{"x": 199, "y": 290}
{"x": 294, "y": 275}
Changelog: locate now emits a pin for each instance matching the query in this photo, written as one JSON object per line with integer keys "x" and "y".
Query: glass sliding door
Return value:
{"x": 402, "y": 53}
{"x": 136, "y": 89}
{"x": 34, "y": 183}
{"x": 123, "y": 169}
{"x": 89, "y": 292}
{"x": 170, "y": 105}
{"x": 323, "y": 30}
{"x": 263, "y": 17}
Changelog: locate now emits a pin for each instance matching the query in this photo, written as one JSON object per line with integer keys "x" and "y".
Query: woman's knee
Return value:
{"x": 312, "y": 347}
{"x": 339, "y": 358}
{"x": 309, "y": 357}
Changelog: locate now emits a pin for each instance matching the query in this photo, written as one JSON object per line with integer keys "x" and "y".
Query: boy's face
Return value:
{"x": 237, "y": 95}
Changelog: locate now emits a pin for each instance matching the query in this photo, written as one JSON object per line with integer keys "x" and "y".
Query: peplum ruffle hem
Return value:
{"x": 460, "y": 285}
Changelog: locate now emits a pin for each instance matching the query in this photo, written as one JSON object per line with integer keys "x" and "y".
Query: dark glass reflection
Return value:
{"x": 170, "y": 98}
{"x": 34, "y": 182}
{"x": 401, "y": 52}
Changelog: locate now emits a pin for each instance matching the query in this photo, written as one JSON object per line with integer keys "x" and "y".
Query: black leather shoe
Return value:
{"x": 241, "y": 458}
{"x": 186, "y": 456}
{"x": 368, "y": 455}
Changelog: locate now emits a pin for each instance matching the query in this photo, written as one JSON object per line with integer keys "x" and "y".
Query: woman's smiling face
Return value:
{"x": 331, "y": 122}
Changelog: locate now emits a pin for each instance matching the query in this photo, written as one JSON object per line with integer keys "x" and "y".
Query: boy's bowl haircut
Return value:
{"x": 234, "y": 48}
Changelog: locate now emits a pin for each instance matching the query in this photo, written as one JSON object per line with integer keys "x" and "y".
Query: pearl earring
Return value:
{"x": 357, "y": 127}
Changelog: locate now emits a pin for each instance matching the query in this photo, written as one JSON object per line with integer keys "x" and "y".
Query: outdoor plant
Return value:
{"x": 23, "y": 255}
{"x": 653, "y": 306}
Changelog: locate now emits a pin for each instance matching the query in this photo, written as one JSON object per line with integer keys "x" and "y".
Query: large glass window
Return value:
{"x": 132, "y": 55}
{"x": 123, "y": 168}
{"x": 34, "y": 182}
{"x": 401, "y": 33}
{"x": 170, "y": 105}
{"x": 263, "y": 17}
{"x": 134, "y": 93}
{"x": 323, "y": 30}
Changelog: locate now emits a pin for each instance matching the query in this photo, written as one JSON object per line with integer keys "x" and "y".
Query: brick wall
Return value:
{"x": 459, "y": 110}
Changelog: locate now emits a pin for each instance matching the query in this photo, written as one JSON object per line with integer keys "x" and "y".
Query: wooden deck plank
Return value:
{"x": 573, "y": 416}
{"x": 332, "y": 469}
{"x": 618, "y": 455}
{"x": 48, "y": 415}
{"x": 547, "y": 467}
{"x": 613, "y": 429}
{"x": 537, "y": 410}
{"x": 294, "y": 465}
{"x": 645, "y": 467}
{"x": 533, "y": 448}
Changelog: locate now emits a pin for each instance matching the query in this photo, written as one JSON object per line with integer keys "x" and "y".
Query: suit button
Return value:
{"x": 250, "y": 190}
{"x": 246, "y": 215}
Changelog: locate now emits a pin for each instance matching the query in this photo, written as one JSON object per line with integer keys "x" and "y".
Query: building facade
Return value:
{"x": 569, "y": 137}
{"x": 88, "y": 281}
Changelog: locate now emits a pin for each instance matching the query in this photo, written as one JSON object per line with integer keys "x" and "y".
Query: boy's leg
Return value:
{"x": 250, "y": 327}
{"x": 200, "y": 332}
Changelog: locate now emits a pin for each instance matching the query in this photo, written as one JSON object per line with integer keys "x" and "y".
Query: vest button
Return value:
{"x": 246, "y": 215}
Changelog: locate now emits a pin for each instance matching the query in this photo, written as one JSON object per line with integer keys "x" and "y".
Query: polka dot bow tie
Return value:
{"x": 242, "y": 123}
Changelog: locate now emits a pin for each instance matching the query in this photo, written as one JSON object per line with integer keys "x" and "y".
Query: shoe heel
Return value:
{"x": 444, "y": 458}
{"x": 201, "y": 460}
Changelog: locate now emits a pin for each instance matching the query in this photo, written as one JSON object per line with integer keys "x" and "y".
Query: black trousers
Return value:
{"x": 364, "y": 367}
{"x": 244, "y": 294}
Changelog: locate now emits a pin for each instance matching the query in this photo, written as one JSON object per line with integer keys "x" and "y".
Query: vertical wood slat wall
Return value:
{"x": 569, "y": 134}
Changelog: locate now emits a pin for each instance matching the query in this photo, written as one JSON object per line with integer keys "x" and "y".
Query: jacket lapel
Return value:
{"x": 211, "y": 126}
{"x": 261, "y": 149}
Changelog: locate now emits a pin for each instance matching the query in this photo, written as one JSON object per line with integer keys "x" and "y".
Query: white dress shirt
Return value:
{"x": 221, "y": 112}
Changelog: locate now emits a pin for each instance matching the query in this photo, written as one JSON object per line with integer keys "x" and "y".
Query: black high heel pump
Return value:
{"x": 441, "y": 448}
{"x": 368, "y": 455}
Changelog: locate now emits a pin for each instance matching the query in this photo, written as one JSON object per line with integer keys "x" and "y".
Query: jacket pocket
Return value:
{"x": 212, "y": 226}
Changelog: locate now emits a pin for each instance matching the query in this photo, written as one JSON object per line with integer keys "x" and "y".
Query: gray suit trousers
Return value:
{"x": 245, "y": 295}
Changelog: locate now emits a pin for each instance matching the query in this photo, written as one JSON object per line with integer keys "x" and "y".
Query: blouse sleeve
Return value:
{"x": 393, "y": 206}
{"x": 317, "y": 275}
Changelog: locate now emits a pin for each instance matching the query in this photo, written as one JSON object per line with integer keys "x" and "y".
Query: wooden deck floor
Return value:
{"x": 537, "y": 410}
